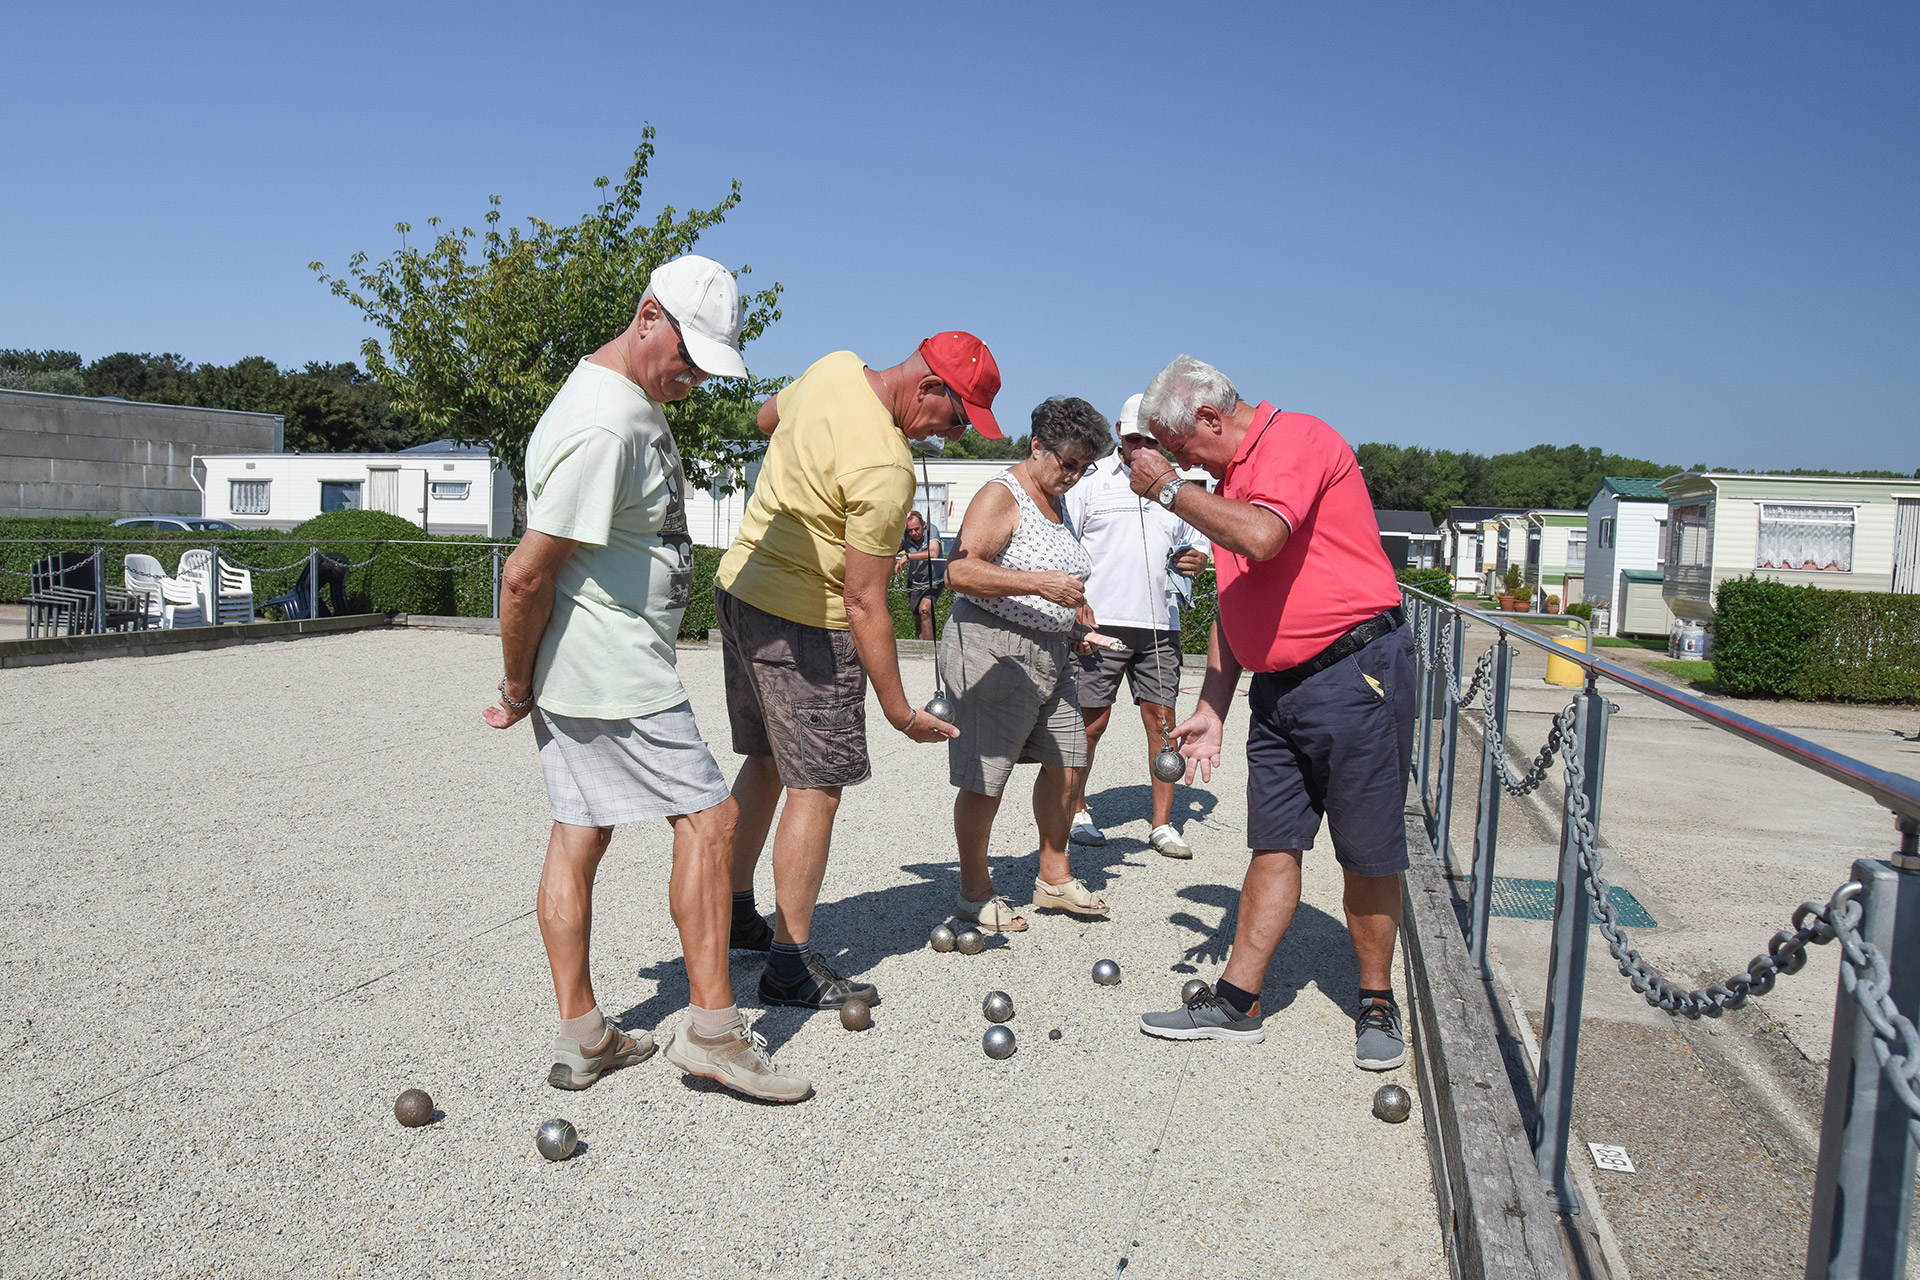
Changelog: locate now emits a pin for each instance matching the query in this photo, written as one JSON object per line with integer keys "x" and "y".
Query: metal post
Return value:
{"x": 496, "y": 583}
{"x": 1449, "y": 744}
{"x": 313, "y": 581}
{"x": 213, "y": 585}
{"x": 1423, "y": 652}
{"x": 1486, "y": 832}
{"x": 1567, "y": 966}
{"x": 99, "y": 589}
{"x": 1863, "y": 1188}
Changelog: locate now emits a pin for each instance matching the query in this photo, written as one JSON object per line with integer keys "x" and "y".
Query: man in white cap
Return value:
{"x": 1141, "y": 555}
{"x": 590, "y": 604}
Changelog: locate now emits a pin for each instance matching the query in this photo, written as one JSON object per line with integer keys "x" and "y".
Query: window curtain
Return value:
{"x": 1796, "y": 537}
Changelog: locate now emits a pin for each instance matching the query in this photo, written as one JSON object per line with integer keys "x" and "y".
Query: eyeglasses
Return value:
{"x": 686, "y": 357}
{"x": 959, "y": 410}
{"x": 1067, "y": 468}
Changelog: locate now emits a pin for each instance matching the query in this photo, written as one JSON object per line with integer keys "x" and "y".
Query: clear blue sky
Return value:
{"x": 1688, "y": 232}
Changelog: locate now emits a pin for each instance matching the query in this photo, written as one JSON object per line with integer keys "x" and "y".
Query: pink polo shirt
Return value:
{"x": 1331, "y": 575}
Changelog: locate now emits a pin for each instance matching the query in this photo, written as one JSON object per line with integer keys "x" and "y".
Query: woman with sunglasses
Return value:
{"x": 1018, "y": 575}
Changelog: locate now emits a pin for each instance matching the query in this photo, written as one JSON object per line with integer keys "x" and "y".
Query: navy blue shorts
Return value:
{"x": 1337, "y": 746}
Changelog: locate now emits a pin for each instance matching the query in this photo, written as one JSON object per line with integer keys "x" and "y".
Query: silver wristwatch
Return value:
{"x": 1172, "y": 490}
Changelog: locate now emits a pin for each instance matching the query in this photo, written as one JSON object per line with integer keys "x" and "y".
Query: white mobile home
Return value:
{"x": 1626, "y": 549}
{"x": 443, "y": 487}
{"x": 1834, "y": 532}
{"x": 1471, "y": 544}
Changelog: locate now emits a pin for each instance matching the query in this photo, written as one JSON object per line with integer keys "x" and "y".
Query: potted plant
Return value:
{"x": 1513, "y": 595}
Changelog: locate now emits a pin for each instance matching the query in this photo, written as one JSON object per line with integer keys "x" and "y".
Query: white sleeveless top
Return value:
{"x": 1038, "y": 545}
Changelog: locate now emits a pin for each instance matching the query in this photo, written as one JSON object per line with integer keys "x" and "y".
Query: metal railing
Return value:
{"x": 1863, "y": 1188}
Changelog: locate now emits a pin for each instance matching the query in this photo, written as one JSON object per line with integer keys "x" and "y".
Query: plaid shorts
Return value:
{"x": 604, "y": 772}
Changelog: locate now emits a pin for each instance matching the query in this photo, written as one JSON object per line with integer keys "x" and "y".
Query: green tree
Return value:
{"x": 482, "y": 328}
{"x": 974, "y": 445}
{"x": 55, "y": 372}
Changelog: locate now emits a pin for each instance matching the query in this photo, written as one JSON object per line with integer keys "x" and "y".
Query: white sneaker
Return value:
{"x": 1084, "y": 832}
{"x": 1167, "y": 843}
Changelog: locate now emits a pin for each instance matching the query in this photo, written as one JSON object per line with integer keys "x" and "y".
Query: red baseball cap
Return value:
{"x": 963, "y": 362}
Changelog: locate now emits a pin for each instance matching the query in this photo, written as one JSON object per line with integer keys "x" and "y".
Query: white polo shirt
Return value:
{"x": 1129, "y": 583}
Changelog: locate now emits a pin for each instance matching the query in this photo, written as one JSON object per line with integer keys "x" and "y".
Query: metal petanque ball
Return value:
{"x": 1391, "y": 1103}
{"x": 855, "y": 1015}
{"x": 998, "y": 1042}
{"x": 1106, "y": 973}
{"x": 413, "y": 1108}
{"x": 1169, "y": 766}
{"x": 969, "y": 942}
{"x": 998, "y": 1006}
{"x": 1191, "y": 988}
{"x": 941, "y": 939}
{"x": 939, "y": 706}
{"x": 556, "y": 1139}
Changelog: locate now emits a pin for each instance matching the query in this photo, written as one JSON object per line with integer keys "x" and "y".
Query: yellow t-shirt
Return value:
{"x": 837, "y": 474}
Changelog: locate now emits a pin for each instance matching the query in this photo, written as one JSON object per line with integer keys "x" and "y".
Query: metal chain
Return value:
{"x": 1864, "y": 976}
{"x": 444, "y": 568}
{"x": 1497, "y": 741}
{"x": 254, "y": 568}
{"x": 1786, "y": 950}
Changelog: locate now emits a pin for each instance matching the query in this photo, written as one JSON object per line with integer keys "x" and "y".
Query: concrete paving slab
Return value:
{"x": 252, "y": 894}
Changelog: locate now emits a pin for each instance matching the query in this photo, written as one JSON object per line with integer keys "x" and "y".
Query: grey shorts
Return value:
{"x": 796, "y": 693}
{"x": 1014, "y": 699}
{"x": 1335, "y": 744}
{"x": 604, "y": 772}
{"x": 1152, "y": 670}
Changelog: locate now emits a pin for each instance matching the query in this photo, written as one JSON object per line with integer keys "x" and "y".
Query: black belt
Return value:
{"x": 1358, "y": 638}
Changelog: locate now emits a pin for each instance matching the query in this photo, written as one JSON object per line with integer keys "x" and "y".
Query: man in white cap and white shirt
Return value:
{"x": 1140, "y": 552}
{"x": 590, "y": 605}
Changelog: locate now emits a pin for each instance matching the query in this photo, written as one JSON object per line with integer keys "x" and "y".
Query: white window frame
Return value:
{"x": 1805, "y": 514}
{"x": 1606, "y": 532}
{"x": 1680, "y": 522}
{"x": 264, "y": 488}
{"x": 464, "y": 490}
{"x": 358, "y": 484}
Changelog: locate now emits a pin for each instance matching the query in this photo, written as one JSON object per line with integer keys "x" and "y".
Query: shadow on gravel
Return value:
{"x": 1315, "y": 953}
{"x": 1117, "y": 805}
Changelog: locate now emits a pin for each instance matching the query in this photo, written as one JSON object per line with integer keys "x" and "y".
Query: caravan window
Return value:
{"x": 340, "y": 495}
{"x": 1606, "y": 531}
{"x": 248, "y": 497}
{"x": 1577, "y": 549}
{"x": 1796, "y": 537}
{"x": 1689, "y": 545}
{"x": 450, "y": 490}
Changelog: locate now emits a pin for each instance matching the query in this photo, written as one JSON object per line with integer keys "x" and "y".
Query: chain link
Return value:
{"x": 254, "y": 568}
{"x": 1536, "y": 773}
{"x": 1864, "y": 977}
{"x": 443, "y": 568}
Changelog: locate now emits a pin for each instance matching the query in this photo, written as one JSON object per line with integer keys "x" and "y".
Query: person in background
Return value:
{"x": 591, "y": 601}
{"x": 919, "y": 555}
{"x": 1017, "y": 575}
{"x": 802, "y": 603}
{"x": 1308, "y": 602}
{"x": 1138, "y": 550}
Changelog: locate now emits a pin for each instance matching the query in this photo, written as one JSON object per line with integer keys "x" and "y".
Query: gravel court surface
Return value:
{"x": 267, "y": 888}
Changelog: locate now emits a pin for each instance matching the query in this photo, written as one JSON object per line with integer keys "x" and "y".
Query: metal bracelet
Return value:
{"x": 907, "y": 728}
{"x": 507, "y": 701}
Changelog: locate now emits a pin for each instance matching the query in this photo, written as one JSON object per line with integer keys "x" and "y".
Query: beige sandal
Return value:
{"x": 1073, "y": 896}
{"x": 994, "y": 914}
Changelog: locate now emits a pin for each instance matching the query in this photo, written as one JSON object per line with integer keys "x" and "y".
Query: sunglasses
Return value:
{"x": 686, "y": 357}
{"x": 1068, "y": 468}
{"x": 959, "y": 410}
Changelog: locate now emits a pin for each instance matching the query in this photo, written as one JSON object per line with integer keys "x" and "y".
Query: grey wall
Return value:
{"x": 77, "y": 456}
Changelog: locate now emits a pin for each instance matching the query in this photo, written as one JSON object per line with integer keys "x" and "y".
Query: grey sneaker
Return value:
{"x": 1206, "y": 1016}
{"x": 1380, "y": 1044}
{"x": 1085, "y": 832}
{"x": 738, "y": 1060}
{"x": 1167, "y": 842}
{"x": 576, "y": 1067}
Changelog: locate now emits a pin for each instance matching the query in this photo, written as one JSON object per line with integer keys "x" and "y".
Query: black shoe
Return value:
{"x": 750, "y": 932}
{"x": 822, "y": 988}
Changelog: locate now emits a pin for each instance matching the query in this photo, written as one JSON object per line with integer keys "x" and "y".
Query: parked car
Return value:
{"x": 181, "y": 524}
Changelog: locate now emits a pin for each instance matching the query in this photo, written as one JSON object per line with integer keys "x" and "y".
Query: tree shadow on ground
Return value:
{"x": 1315, "y": 953}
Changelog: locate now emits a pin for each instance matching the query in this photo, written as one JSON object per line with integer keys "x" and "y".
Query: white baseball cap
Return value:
{"x": 703, "y": 299}
{"x": 1129, "y": 416}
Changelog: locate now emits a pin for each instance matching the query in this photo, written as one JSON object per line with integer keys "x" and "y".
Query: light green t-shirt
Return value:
{"x": 602, "y": 469}
{"x": 837, "y": 474}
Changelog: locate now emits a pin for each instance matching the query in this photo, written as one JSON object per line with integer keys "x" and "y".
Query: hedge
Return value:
{"x": 1435, "y": 582}
{"x": 1773, "y": 640}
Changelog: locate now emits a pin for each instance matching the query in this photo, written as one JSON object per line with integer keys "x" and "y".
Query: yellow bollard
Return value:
{"x": 1563, "y": 672}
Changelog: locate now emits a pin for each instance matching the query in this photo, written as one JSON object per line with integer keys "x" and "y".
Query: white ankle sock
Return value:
{"x": 711, "y": 1024}
{"x": 587, "y": 1030}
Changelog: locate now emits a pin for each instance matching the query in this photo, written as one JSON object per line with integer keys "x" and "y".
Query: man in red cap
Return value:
{"x": 802, "y": 603}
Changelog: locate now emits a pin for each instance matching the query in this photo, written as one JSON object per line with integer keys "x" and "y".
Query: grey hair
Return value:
{"x": 1068, "y": 423}
{"x": 644, "y": 295}
{"x": 1174, "y": 397}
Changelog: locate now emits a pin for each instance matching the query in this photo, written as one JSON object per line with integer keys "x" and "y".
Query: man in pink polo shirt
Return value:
{"x": 1309, "y": 604}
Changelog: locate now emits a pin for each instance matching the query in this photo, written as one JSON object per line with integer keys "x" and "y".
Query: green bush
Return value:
{"x": 1196, "y": 623}
{"x": 1435, "y": 582}
{"x": 1583, "y": 609}
{"x": 1773, "y": 640}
